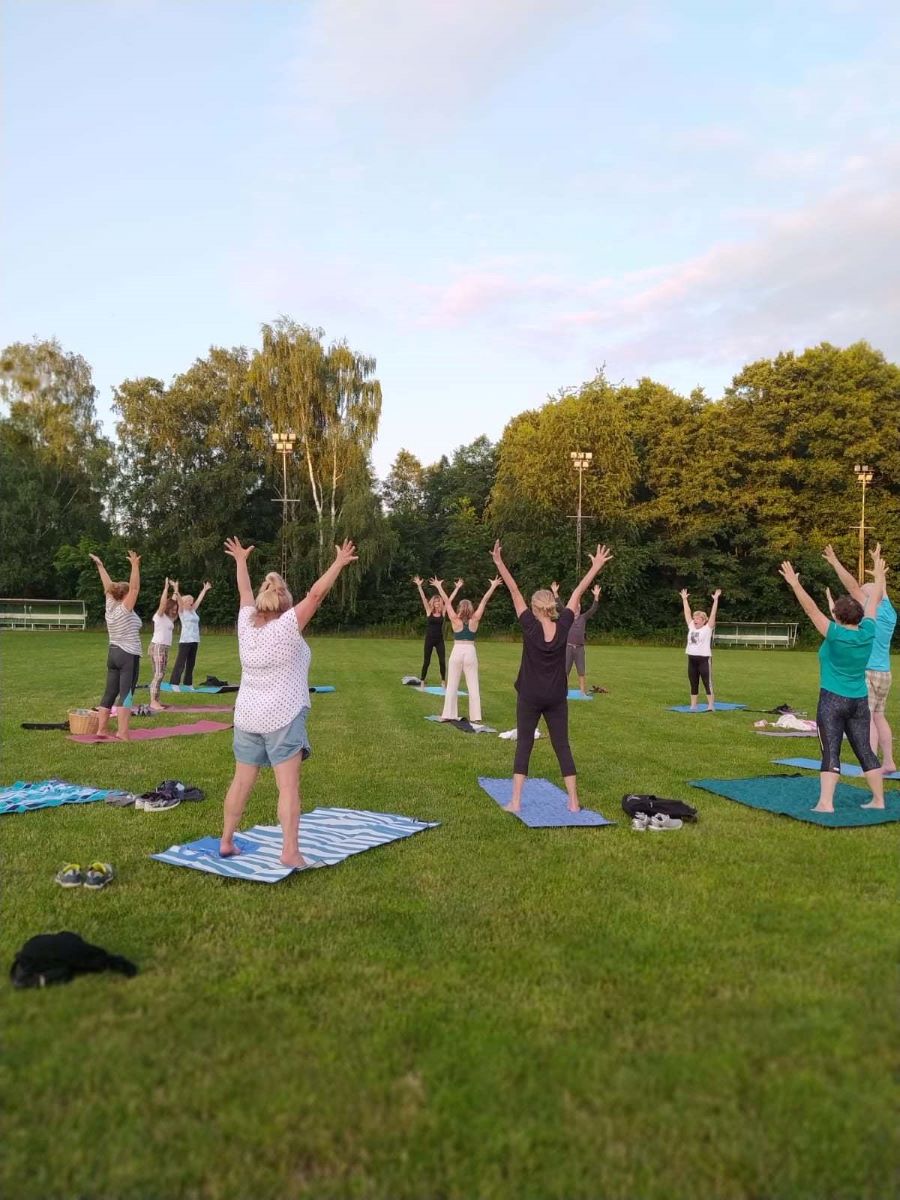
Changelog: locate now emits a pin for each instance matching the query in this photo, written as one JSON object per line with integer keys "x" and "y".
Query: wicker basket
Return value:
{"x": 82, "y": 720}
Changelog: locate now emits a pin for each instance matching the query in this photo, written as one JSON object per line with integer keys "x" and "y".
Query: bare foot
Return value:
{"x": 227, "y": 848}
{"x": 820, "y": 807}
{"x": 891, "y": 770}
{"x": 157, "y": 708}
{"x": 512, "y": 807}
{"x": 873, "y": 803}
{"x": 296, "y": 860}
{"x": 710, "y": 708}
{"x": 693, "y": 708}
{"x": 576, "y": 807}
{"x": 123, "y": 737}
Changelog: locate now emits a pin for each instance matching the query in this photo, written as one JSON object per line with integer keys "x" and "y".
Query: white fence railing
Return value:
{"x": 42, "y": 614}
{"x": 766, "y": 635}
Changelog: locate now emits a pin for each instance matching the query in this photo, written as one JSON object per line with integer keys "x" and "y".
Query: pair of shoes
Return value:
{"x": 177, "y": 790}
{"x": 155, "y": 802}
{"x": 95, "y": 877}
{"x": 657, "y": 823}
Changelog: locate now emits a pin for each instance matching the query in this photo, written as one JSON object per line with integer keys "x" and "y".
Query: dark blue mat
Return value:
{"x": 543, "y": 804}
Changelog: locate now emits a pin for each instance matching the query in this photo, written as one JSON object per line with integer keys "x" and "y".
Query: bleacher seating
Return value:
{"x": 42, "y": 614}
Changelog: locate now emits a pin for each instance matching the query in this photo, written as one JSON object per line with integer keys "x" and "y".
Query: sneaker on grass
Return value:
{"x": 70, "y": 876}
{"x": 98, "y": 875}
{"x": 157, "y": 803}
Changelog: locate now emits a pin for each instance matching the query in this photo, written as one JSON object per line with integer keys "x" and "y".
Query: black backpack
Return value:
{"x": 633, "y": 803}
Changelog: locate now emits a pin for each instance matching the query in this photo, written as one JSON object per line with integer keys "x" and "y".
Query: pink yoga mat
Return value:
{"x": 161, "y": 731}
{"x": 191, "y": 708}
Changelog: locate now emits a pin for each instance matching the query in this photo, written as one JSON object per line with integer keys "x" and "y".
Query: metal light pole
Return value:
{"x": 581, "y": 462}
{"x": 864, "y": 474}
{"x": 284, "y": 445}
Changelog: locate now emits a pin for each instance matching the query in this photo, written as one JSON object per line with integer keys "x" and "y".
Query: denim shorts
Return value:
{"x": 271, "y": 749}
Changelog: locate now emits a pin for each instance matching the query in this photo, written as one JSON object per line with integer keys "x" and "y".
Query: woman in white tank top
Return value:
{"x": 700, "y": 629}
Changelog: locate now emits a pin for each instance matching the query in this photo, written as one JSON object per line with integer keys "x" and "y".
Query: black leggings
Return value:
{"x": 528, "y": 713}
{"x": 187, "y": 656}
{"x": 839, "y": 715}
{"x": 699, "y": 668}
{"x": 432, "y": 643}
{"x": 121, "y": 676}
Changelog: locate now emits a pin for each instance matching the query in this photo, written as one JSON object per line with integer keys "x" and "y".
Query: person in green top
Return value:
{"x": 464, "y": 621}
{"x": 843, "y": 707}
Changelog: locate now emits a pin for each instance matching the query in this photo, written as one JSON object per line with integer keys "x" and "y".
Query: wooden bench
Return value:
{"x": 764, "y": 635}
{"x": 42, "y": 614}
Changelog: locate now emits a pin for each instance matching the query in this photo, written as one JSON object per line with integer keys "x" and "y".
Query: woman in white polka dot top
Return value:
{"x": 273, "y": 699}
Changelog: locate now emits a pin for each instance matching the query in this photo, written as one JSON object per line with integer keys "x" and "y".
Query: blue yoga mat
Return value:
{"x": 184, "y": 687}
{"x": 720, "y": 706}
{"x": 814, "y": 764}
{"x": 796, "y": 795}
{"x": 327, "y": 837}
{"x": 22, "y": 797}
{"x": 575, "y": 694}
{"x": 439, "y": 691}
{"x": 543, "y": 804}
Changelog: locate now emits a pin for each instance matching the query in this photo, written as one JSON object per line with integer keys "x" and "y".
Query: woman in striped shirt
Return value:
{"x": 124, "y": 657}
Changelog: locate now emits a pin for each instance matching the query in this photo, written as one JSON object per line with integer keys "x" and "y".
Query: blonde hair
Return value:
{"x": 464, "y": 610}
{"x": 118, "y": 591}
{"x": 543, "y": 603}
{"x": 272, "y": 599}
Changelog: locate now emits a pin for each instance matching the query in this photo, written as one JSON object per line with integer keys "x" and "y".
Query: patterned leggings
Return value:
{"x": 839, "y": 715}
{"x": 159, "y": 657}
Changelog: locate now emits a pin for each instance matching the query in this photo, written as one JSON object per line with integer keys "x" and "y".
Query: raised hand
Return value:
{"x": 345, "y": 553}
{"x": 829, "y": 555}
{"x": 96, "y": 559}
{"x": 596, "y": 591}
{"x": 134, "y": 559}
{"x": 497, "y": 552}
{"x": 238, "y": 552}
{"x": 602, "y": 557}
{"x": 417, "y": 580}
{"x": 788, "y": 574}
{"x": 717, "y": 593}
{"x": 554, "y": 588}
{"x": 436, "y": 583}
{"x": 459, "y": 583}
{"x": 167, "y": 584}
{"x": 685, "y": 595}
{"x": 208, "y": 585}
{"x": 496, "y": 581}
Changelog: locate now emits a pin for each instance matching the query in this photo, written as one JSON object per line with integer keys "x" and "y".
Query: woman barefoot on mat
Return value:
{"x": 878, "y": 669}
{"x": 124, "y": 657}
{"x": 577, "y": 636}
{"x": 273, "y": 699}
{"x": 463, "y": 660}
{"x": 434, "y": 629}
{"x": 843, "y": 707}
{"x": 542, "y": 684}
{"x": 163, "y": 627}
{"x": 189, "y": 638}
{"x": 699, "y": 648}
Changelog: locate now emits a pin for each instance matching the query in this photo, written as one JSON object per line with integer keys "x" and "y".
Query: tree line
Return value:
{"x": 688, "y": 490}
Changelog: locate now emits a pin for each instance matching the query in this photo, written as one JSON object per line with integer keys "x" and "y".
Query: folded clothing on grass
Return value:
{"x": 327, "y": 837}
{"x": 52, "y": 958}
{"x": 544, "y": 805}
{"x": 796, "y": 796}
{"x": 853, "y": 770}
{"x": 143, "y": 735}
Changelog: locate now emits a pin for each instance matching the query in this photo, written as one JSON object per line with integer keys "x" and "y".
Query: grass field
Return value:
{"x": 481, "y": 1011}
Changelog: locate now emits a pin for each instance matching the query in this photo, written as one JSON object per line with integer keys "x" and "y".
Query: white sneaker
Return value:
{"x": 640, "y": 822}
{"x": 660, "y": 821}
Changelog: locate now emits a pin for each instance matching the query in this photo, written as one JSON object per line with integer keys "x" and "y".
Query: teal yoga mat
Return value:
{"x": 853, "y": 770}
{"x": 795, "y": 796}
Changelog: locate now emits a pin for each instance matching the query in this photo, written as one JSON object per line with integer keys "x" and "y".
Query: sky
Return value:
{"x": 495, "y": 198}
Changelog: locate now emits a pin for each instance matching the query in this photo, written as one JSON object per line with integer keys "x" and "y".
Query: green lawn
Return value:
{"x": 481, "y": 1011}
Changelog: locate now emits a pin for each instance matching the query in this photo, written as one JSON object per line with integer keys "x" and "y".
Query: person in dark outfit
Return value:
{"x": 542, "y": 683}
{"x": 577, "y": 636}
{"x": 434, "y": 629}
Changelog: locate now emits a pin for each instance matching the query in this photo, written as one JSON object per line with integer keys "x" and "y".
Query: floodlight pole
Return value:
{"x": 581, "y": 462}
{"x": 284, "y": 445}
{"x": 864, "y": 475}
